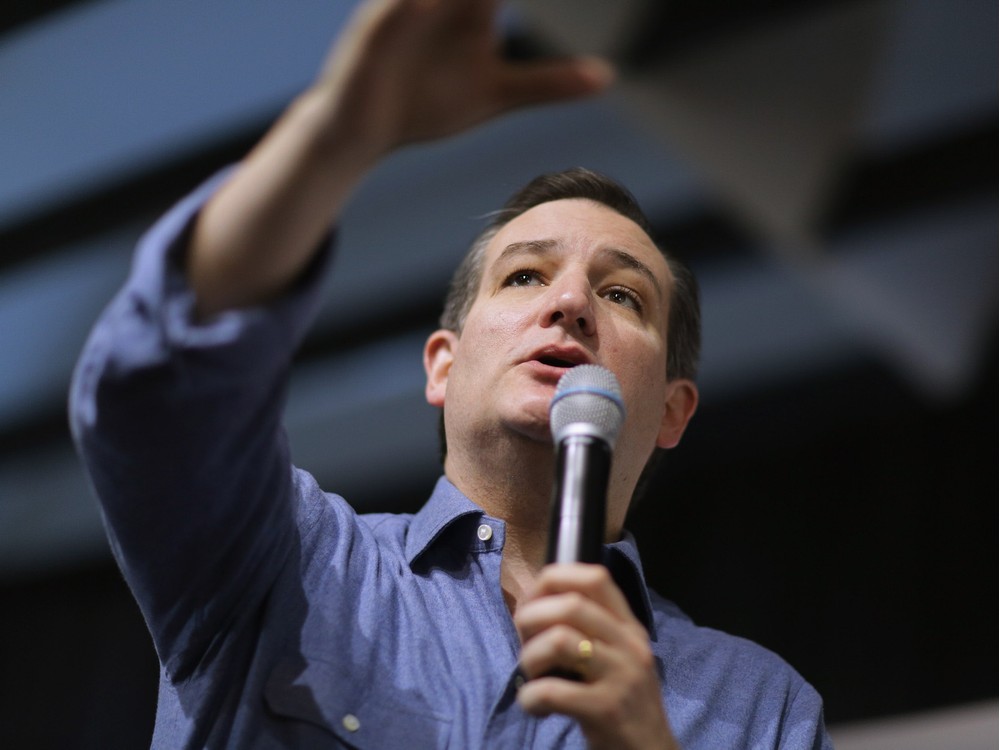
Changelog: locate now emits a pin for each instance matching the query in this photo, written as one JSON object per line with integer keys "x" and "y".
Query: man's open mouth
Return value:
{"x": 556, "y": 362}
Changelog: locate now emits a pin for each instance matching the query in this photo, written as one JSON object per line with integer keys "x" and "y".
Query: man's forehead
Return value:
{"x": 579, "y": 223}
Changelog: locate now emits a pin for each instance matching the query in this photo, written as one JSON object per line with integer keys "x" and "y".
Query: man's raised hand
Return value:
{"x": 412, "y": 70}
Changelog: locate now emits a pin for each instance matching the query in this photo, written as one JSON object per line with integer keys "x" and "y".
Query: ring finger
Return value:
{"x": 562, "y": 651}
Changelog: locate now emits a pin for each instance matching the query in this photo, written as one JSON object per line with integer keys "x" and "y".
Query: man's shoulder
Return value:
{"x": 696, "y": 649}
{"x": 317, "y": 505}
{"x": 726, "y": 691}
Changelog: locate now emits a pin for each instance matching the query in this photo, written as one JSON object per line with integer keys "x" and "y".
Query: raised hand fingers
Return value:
{"x": 410, "y": 70}
{"x": 523, "y": 84}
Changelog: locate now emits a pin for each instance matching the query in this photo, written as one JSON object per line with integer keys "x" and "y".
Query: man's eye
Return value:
{"x": 523, "y": 278}
{"x": 624, "y": 297}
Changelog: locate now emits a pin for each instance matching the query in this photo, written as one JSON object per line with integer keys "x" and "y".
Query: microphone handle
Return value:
{"x": 579, "y": 500}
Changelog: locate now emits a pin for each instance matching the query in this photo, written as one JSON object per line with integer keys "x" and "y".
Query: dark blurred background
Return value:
{"x": 829, "y": 170}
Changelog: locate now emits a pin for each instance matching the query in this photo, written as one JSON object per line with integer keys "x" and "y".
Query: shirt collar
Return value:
{"x": 622, "y": 559}
{"x": 447, "y": 505}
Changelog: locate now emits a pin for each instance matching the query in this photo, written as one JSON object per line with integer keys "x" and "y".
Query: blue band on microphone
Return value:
{"x": 572, "y": 390}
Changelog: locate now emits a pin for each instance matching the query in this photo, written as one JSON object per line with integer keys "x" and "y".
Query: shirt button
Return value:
{"x": 485, "y": 532}
{"x": 351, "y": 723}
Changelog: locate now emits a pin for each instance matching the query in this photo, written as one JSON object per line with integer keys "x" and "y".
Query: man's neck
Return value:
{"x": 514, "y": 484}
{"x": 509, "y": 482}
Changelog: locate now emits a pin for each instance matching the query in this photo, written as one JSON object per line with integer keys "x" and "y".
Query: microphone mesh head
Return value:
{"x": 588, "y": 398}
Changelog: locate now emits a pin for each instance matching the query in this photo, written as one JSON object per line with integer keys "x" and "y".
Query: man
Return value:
{"x": 283, "y": 619}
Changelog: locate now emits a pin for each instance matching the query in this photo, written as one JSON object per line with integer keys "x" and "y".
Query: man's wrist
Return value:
{"x": 340, "y": 139}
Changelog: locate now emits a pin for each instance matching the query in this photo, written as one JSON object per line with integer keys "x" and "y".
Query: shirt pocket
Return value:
{"x": 361, "y": 711}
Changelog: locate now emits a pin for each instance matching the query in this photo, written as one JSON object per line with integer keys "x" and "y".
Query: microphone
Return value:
{"x": 585, "y": 415}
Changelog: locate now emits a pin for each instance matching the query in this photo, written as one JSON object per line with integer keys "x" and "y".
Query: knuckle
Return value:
{"x": 595, "y": 575}
{"x": 646, "y": 660}
{"x": 612, "y": 712}
{"x": 567, "y": 639}
{"x": 576, "y": 603}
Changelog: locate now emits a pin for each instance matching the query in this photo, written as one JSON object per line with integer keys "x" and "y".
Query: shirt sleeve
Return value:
{"x": 803, "y": 724}
{"x": 178, "y": 423}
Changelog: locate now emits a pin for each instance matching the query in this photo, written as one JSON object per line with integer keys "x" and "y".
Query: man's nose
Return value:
{"x": 570, "y": 303}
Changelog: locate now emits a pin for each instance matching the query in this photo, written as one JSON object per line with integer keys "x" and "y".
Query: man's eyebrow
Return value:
{"x": 627, "y": 260}
{"x": 528, "y": 247}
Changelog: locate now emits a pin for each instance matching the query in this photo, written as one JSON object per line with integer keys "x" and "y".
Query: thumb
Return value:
{"x": 553, "y": 80}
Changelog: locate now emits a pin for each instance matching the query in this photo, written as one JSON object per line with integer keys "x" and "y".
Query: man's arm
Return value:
{"x": 178, "y": 416}
{"x": 404, "y": 71}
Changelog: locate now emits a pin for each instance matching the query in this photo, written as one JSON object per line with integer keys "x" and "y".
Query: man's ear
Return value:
{"x": 439, "y": 353}
{"x": 681, "y": 402}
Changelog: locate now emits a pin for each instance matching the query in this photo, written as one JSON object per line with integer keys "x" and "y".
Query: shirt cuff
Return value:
{"x": 158, "y": 284}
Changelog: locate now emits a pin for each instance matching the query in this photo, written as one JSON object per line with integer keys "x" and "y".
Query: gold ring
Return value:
{"x": 585, "y": 655}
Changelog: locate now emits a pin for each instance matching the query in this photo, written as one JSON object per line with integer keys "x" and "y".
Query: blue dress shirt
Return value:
{"x": 283, "y": 619}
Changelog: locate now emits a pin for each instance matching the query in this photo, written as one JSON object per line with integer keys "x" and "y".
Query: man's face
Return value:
{"x": 566, "y": 283}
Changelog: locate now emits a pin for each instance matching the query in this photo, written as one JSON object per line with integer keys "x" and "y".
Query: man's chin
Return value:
{"x": 528, "y": 413}
{"x": 533, "y": 429}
